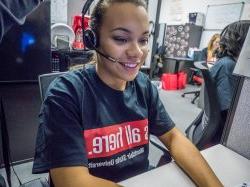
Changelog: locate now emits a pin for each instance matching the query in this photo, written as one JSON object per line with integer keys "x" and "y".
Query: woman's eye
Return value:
{"x": 120, "y": 40}
{"x": 144, "y": 41}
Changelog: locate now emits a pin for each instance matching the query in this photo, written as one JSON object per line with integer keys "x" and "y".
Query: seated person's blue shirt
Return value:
{"x": 226, "y": 82}
{"x": 84, "y": 122}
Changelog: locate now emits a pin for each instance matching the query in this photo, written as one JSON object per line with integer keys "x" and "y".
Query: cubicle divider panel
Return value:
{"x": 238, "y": 134}
{"x": 21, "y": 104}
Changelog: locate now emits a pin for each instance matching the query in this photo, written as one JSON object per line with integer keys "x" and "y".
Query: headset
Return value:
{"x": 90, "y": 38}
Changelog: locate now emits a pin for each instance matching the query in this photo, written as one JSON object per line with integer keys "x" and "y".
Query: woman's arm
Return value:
{"x": 77, "y": 176}
{"x": 189, "y": 159}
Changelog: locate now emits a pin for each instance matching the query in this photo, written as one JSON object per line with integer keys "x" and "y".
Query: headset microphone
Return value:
{"x": 107, "y": 56}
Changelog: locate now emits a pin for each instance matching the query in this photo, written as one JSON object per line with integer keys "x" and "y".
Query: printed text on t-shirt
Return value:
{"x": 109, "y": 140}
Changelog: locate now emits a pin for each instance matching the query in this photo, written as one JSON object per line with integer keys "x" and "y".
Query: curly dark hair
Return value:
{"x": 232, "y": 38}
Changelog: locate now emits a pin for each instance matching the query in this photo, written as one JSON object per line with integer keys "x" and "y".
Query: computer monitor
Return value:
{"x": 25, "y": 49}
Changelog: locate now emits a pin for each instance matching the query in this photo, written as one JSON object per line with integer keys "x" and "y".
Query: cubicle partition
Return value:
{"x": 21, "y": 103}
{"x": 237, "y": 131}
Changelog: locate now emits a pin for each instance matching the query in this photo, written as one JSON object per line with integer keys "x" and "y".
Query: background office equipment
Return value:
{"x": 25, "y": 49}
{"x": 196, "y": 18}
{"x": 62, "y": 36}
{"x": 195, "y": 79}
{"x": 177, "y": 41}
{"x": 179, "y": 38}
{"x": 25, "y": 53}
{"x": 242, "y": 66}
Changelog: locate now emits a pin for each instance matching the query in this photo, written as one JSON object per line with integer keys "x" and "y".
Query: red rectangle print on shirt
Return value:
{"x": 107, "y": 141}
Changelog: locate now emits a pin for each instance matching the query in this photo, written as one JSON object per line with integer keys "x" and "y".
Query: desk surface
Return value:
{"x": 180, "y": 58}
{"x": 231, "y": 168}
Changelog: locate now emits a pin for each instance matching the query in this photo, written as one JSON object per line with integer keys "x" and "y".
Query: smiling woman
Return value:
{"x": 124, "y": 38}
{"x": 95, "y": 122}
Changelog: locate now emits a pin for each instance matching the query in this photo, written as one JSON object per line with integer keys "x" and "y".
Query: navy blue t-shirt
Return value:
{"x": 84, "y": 122}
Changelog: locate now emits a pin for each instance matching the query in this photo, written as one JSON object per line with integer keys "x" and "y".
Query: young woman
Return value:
{"x": 212, "y": 48}
{"x": 95, "y": 122}
{"x": 232, "y": 40}
{"x": 209, "y": 53}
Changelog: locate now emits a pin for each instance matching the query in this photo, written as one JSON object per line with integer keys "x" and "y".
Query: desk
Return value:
{"x": 178, "y": 60}
{"x": 231, "y": 168}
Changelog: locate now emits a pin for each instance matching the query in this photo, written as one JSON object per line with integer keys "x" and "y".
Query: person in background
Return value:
{"x": 231, "y": 41}
{"x": 209, "y": 53}
{"x": 14, "y": 12}
{"x": 95, "y": 122}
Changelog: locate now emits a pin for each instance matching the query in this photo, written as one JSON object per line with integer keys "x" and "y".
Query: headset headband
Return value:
{"x": 86, "y": 6}
{"x": 84, "y": 11}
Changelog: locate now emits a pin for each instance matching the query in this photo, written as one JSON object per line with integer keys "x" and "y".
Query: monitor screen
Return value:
{"x": 25, "y": 49}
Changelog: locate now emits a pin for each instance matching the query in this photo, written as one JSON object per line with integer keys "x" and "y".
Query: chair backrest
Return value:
{"x": 237, "y": 130}
{"x": 211, "y": 126}
{"x": 44, "y": 81}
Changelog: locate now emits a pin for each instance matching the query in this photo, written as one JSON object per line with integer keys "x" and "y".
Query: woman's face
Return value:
{"x": 216, "y": 43}
{"x": 124, "y": 36}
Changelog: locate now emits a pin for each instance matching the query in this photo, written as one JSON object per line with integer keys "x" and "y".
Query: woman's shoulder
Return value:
{"x": 204, "y": 50}
{"x": 70, "y": 82}
{"x": 143, "y": 81}
{"x": 142, "y": 78}
{"x": 225, "y": 64}
{"x": 225, "y": 61}
{"x": 77, "y": 76}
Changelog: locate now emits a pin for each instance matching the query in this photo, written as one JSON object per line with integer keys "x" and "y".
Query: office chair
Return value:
{"x": 206, "y": 129}
{"x": 44, "y": 81}
{"x": 195, "y": 79}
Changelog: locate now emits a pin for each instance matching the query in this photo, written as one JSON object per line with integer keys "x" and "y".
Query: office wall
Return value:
{"x": 74, "y": 8}
{"x": 188, "y": 6}
{"x": 59, "y": 11}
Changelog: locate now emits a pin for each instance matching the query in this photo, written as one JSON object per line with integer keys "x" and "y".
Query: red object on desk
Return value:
{"x": 182, "y": 80}
{"x": 174, "y": 81}
{"x": 198, "y": 80}
{"x": 169, "y": 81}
{"x": 77, "y": 27}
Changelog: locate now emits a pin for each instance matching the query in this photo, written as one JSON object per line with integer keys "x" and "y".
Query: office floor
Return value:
{"x": 180, "y": 110}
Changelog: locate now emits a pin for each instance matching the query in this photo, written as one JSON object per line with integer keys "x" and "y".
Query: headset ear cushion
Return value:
{"x": 89, "y": 39}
